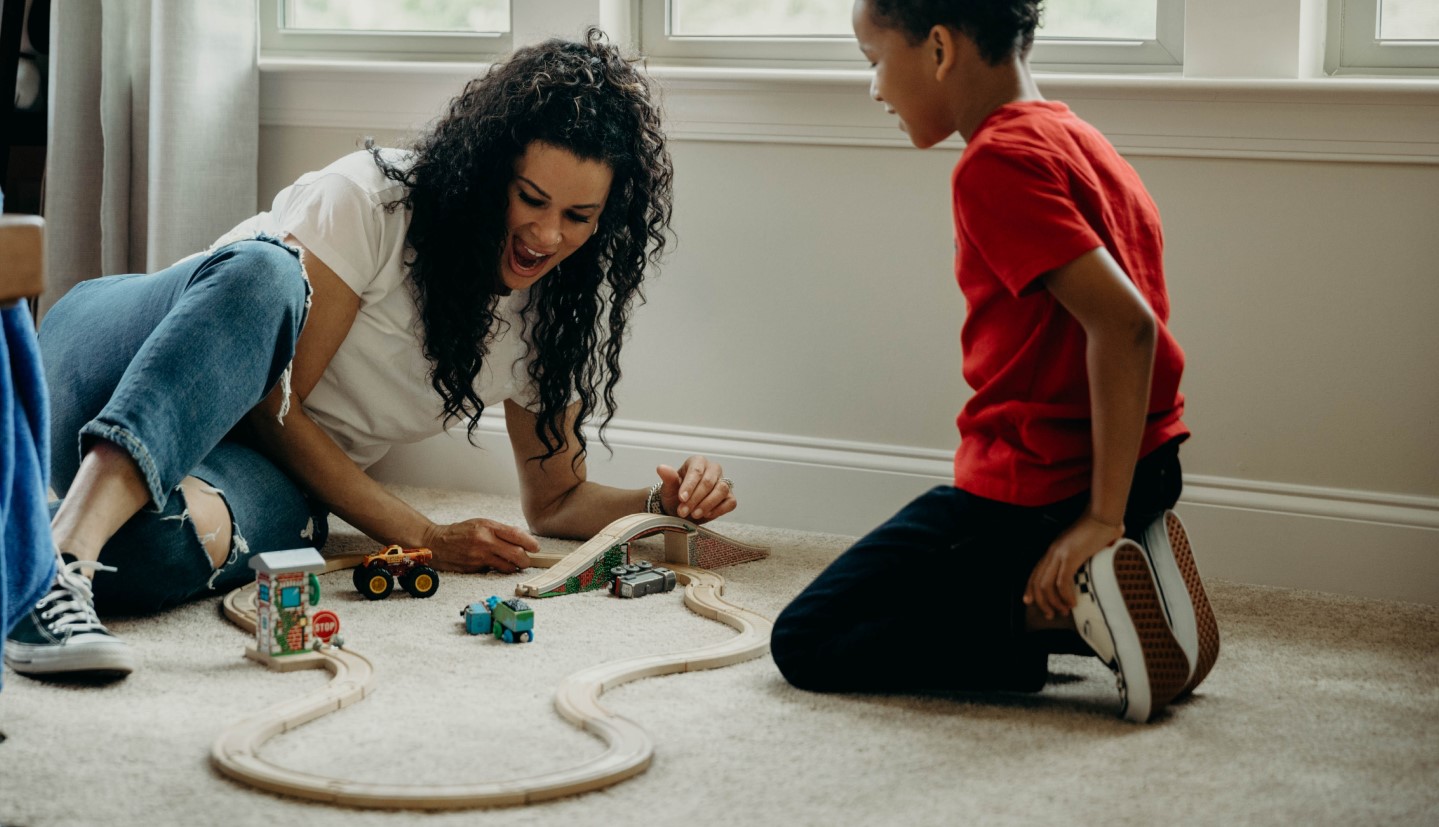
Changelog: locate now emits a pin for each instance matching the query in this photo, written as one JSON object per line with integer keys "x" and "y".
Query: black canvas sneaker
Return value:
{"x": 62, "y": 636}
{"x": 1121, "y": 615}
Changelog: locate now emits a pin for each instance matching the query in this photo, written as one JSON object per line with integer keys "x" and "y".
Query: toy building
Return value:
{"x": 286, "y": 590}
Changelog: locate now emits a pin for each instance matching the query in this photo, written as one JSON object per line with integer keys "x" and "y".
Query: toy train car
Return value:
{"x": 512, "y": 621}
{"x": 641, "y": 578}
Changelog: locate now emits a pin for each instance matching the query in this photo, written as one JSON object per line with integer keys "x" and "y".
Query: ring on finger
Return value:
{"x": 729, "y": 482}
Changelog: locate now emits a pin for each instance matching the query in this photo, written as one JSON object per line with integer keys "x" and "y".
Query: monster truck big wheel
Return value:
{"x": 421, "y": 581}
{"x": 376, "y": 584}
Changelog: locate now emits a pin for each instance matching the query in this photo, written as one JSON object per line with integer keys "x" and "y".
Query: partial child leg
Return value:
{"x": 928, "y": 601}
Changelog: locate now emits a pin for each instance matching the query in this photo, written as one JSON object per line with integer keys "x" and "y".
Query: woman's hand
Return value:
{"x": 1051, "y": 584}
{"x": 698, "y": 491}
{"x": 480, "y": 544}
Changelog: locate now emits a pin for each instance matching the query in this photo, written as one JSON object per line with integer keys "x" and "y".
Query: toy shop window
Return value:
{"x": 389, "y": 30}
{"x": 1383, "y": 37}
{"x": 290, "y": 597}
{"x": 1086, "y": 35}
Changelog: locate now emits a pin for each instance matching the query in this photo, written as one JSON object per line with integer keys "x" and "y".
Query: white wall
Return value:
{"x": 805, "y": 327}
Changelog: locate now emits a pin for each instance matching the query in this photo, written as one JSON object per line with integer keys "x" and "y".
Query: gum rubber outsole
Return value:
{"x": 1122, "y": 616}
{"x": 1164, "y": 660}
{"x": 1208, "y": 627}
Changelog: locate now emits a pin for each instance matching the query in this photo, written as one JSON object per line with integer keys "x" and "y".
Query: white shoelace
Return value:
{"x": 71, "y": 600}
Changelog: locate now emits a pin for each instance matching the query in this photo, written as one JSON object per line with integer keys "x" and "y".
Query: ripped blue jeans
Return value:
{"x": 165, "y": 366}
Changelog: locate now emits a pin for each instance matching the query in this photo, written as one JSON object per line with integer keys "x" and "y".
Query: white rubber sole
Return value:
{"x": 82, "y": 655}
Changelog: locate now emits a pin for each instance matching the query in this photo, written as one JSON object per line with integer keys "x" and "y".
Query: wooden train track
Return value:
{"x": 686, "y": 544}
{"x": 629, "y": 750}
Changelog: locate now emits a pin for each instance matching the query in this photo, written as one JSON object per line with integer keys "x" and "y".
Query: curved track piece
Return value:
{"x": 629, "y": 748}
{"x": 588, "y": 566}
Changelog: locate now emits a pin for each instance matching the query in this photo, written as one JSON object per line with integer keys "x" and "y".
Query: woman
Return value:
{"x": 494, "y": 263}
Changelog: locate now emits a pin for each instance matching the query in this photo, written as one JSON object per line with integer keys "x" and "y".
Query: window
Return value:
{"x": 1383, "y": 36}
{"x": 463, "y": 30}
{"x": 1081, "y": 34}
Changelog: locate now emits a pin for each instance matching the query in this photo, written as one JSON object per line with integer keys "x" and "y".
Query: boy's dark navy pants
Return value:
{"x": 932, "y": 599}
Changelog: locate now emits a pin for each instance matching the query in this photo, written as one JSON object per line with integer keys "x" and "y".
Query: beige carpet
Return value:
{"x": 1321, "y": 710}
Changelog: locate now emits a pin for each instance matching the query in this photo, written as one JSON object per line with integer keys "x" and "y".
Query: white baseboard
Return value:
{"x": 1365, "y": 544}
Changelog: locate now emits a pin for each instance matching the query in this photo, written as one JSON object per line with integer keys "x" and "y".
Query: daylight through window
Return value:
{"x": 1409, "y": 20}
{"x": 1076, "y": 19}
{"x": 398, "y": 15}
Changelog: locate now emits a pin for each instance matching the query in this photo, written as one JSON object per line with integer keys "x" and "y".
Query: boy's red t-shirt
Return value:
{"x": 1035, "y": 189}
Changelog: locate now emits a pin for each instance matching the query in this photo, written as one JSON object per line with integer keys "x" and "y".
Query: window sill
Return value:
{"x": 1354, "y": 119}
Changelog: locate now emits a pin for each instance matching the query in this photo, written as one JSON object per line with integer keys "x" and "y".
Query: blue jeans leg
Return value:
{"x": 160, "y": 558}
{"x": 164, "y": 366}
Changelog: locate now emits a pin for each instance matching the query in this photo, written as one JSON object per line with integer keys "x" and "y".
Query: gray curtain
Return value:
{"x": 154, "y": 132}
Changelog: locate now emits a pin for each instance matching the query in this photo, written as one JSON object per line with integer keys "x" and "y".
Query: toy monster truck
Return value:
{"x": 375, "y": 577}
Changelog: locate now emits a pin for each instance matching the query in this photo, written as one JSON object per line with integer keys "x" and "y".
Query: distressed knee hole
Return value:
{"x": 209, "y": 516}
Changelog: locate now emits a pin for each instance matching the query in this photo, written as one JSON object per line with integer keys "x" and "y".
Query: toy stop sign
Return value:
{"x": 325, "y": 624}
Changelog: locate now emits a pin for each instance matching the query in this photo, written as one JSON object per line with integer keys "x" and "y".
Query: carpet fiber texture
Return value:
{"x": 1321, "y": 710}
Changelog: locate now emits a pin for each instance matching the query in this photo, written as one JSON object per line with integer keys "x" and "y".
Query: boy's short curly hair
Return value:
{"x": 1000, "y": 28}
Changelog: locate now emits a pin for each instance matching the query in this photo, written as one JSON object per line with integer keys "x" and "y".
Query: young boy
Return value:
{"x": 1069, "y": 444}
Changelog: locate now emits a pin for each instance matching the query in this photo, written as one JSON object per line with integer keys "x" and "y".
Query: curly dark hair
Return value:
{"x": 587, "y": 98}
{"x": 999, "y": 28}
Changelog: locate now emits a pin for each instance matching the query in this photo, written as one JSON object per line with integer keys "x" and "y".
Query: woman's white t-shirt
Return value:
{"x": 376, "y": 391}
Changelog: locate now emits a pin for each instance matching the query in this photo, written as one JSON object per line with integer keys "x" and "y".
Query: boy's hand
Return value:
{"x": 1051, "y": 584}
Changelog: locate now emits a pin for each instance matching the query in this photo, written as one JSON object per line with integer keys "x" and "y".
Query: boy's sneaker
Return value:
{"x": 63, "y": 637}
{"x": 1170, "y": 556}
{"x": 1121, "y": 616}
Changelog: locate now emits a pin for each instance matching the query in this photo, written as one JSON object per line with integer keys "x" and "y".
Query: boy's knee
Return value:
{"x": 794, "y": 651}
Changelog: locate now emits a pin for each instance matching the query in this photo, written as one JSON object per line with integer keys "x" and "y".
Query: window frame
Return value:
{"x": 1355, "y": 46}
{"x": 1164, "y": 53}
{"x": 279, "y": 42}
